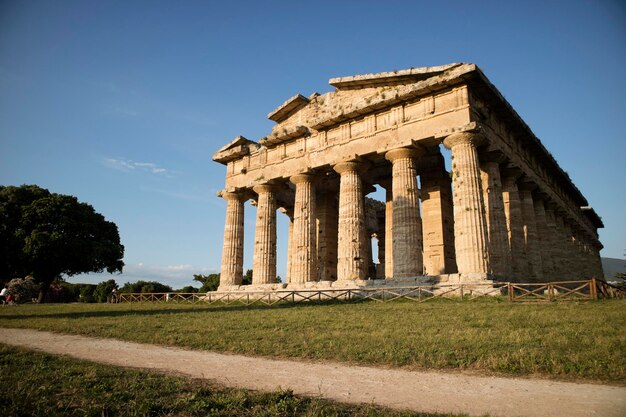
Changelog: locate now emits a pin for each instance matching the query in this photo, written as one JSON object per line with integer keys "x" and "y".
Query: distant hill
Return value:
{"x": 612, "y": 266}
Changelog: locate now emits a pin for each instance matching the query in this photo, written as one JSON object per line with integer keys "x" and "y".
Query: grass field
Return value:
{"x": 35, "y": 384}
{"x": 570, "y": 341}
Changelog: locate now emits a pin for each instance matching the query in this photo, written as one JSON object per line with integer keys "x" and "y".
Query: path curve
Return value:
{"x": 419, "y": 391}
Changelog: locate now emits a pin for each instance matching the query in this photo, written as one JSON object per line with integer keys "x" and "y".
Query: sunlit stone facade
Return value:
{"x": 503, "y": 211}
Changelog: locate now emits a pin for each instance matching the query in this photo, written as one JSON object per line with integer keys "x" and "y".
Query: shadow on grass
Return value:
{"x": 171, "y": 311}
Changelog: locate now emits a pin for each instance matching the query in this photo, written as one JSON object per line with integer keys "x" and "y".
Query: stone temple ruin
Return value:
{"x": 506, "y": 211}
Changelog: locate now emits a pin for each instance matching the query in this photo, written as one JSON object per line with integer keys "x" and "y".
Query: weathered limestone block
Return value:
{"x": 533, "y": 246}
{"x": 499, "y": 249}
{"x": 437, "y": 221}
{"x": 264, "y": 261}
{"x": 470, "y": 228}
{"x": 407, "y": 224}
{"x": 304, "y": 258}
{"x": 351, "y": 262}
{"x": 232, "y": 252}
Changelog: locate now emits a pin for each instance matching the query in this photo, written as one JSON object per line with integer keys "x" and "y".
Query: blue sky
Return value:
{"x": 122, "y": 103}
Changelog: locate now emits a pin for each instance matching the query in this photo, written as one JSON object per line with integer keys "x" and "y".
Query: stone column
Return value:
{"x": 304, "y": 258}
{"x": 562, "y": 247}
{"x": 264, "y": 261}
{"x": 514, "y": 224}
{"x": 232, "y": 252}
{"x": 380, "y": 239}
{"x": 388, "y": 229}
{"x": 499, "y": 249}
{"x": 543, "y": 238}
{"x": 407, "y": 224}
{"x": 289, "y": 213}
{"x": 533, "y": 248}
{"x": 437, "y": 220}
{"x": 552, "y": 243}
{"x": 470, "y": 225}
{"x": 327, "y": 222}
{"x": 351, "y": 247}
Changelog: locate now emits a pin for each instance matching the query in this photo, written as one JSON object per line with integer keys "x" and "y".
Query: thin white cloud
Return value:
{"x": 176, "y": 276}
{"x": 128, "y": 165}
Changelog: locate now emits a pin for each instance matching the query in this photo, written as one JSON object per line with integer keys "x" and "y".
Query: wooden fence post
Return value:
{"x": 593, "y": 289}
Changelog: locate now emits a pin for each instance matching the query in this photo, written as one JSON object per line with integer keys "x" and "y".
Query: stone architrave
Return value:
{"x": 514, "y": 223}
{"x": 351, "y": 262}
{"x": 543, "y": 237}
{"x": 264, "y": 261}
{"x": 470, "y": 225}
{"x": 232, "y": 252}
{"x": 407, "y": 223}
{"x": 499, "y": 248}
{"x": 304, "y": 257}
{"x": 327, "y": 223}
{"x": 437, "y": 221}
{"x": 533, "y": 246}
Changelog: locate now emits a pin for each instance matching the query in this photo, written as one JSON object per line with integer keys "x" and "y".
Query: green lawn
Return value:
{"x": 572, "y": 341}
{"x": 35, "y": 384}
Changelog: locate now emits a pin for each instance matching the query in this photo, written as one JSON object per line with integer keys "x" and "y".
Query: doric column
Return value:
{"x": 561, "y": 248}
{"x": 543, "y": 238}
{"x": 351, "y": 247}
{"x": 264, "y": 262}
{"x": 407, "y": 223}
{"x": 289, "y": 213}
{"x": 514, "y": 223}
{"x": 304, "y": 258}
{"x": 327, "y": 212}
{"x": 388, "y": 229}
{"x": 533, "y": 248}
{"x": 437, "y": 220}
{"x": 470, "y": 226}
{"x": 232, "y": 252}
{"x": 380, "y": 239}
{"x": 552, "y": 242}
{"x": 499, "y": 249}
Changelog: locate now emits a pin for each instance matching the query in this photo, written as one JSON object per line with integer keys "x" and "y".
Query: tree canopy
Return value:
{"x": 47, "y": 235}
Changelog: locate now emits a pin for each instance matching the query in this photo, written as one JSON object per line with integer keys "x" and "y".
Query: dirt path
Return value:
{"x": 420, "y": 391}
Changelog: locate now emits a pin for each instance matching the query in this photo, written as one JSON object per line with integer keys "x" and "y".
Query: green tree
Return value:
{"x": 188, "y": 289}
{"x": 104, "y": 289}
{"x": 47, "y": 235}
{"x": 145, "y": 287}
{"x": 209, "y": 282}
{"x": 247, "y": 279}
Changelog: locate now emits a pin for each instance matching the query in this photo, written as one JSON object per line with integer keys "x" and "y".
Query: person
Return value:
{"x": 3, "y": 295}
{"x": 114, "y": 295}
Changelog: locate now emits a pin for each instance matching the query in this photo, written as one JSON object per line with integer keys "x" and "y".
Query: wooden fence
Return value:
{"x": 592, "y": 289}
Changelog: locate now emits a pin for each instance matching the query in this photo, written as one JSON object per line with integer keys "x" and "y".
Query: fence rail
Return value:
{"x": 592, "y": 289}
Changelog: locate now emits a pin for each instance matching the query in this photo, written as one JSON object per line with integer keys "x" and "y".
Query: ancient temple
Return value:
{"x": 504, "y": 210}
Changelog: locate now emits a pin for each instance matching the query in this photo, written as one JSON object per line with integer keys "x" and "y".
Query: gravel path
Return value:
{"x": 419, "y": 391}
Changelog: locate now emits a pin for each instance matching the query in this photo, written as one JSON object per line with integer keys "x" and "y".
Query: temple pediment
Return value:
{"x": 406, "y": 76}
{"x": 234, "y": 149}
{"x": 357, "y": 96}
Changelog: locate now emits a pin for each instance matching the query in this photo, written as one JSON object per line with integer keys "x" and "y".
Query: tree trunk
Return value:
{"x": 43, "y": 290}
